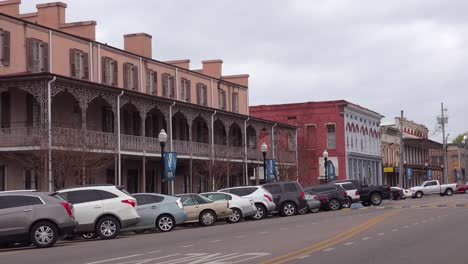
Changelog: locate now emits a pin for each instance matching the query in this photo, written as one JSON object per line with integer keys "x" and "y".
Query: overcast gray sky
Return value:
{"x": 383, "y": 55}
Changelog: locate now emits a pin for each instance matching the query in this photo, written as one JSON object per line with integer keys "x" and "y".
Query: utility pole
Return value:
{"x": 402, "y": 151}
{"x": 442, "y": 120}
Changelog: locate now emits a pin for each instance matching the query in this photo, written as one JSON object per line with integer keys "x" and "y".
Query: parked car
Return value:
{"x": 34, "y": 217}
{"x": 101, "y": 210}
{"x": 336, "y": 195}
{"x": 202, "y": 210}
{"x": 313, "y": 204}
{"x": 400, "y": 193}
{"x": 289, "y": 197}
{"x": 369, "y": 194}
{"x": 462, "y": 188}
{"x": 351, "y": 191}
{"x": 433, "y": 187}
{"x": 263, "y": 199}
{"x": 241, "y": 207}
{"x": 158, "y": 211}
{"x": 323, "y": 199}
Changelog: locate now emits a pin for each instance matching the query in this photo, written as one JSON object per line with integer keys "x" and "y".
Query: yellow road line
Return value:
{"x": 328, "y": 242}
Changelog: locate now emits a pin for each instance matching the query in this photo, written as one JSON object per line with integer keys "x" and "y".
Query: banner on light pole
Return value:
{"x": 170, "y": 161}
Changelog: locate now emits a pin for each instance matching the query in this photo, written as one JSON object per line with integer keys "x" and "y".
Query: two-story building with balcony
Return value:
{"x": 77, "y": 111}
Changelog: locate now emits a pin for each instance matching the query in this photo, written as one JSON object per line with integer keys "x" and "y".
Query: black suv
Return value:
{"x": 289, "y": 197}
{"x": 337, "y": 196}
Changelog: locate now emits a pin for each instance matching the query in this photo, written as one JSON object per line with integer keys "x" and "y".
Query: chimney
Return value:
{"x": 51, "y": 14}
{"x": 241, "y": 79}
{"x": 180, "y": 63}
{"x": 85, "y": 29}
{"x": 138, "y": 43}
{"x": 213, "y": 68}
{"x": 10, "y": 7}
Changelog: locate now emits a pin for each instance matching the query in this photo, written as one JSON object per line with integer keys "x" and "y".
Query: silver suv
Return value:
{"x": 262, "y": 198}
{"x": 34, "y": 217}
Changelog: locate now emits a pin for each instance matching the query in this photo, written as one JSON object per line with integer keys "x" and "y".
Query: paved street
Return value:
{"x": 431, "y": 231}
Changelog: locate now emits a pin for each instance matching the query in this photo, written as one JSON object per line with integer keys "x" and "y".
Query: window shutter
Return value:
{"x": 104, "y": 70}
{"x": 6, "y": 48}
{"x": 182, "y": 90}
{"x": 155, "y": 83}
{"x": 115, "y": 77}
{"x": 224, "y": 100}
{"x": 189, "y": 91}
{"x": 72, "y": 63}
{"x": 172, "y": 81}
{"x": 148, "y": 82}
{"x": 85, "y": 66}
{"x": 126, "y": 74}
{"x": 165, "y": 82}
{"x": 205, "y": 95}
{"x": 29, "y": 54}
{"x": 45, "y": 56}
{"x": 199, "y": 93}
{"x": 135, "y": 78}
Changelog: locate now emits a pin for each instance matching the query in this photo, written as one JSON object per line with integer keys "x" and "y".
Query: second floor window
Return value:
{"x": 235, "y": 102}
{"x": 107, "y": 120}
{"x": 222, "y": 99}
{"x": 37, "y": 54}
{"x": 4, "y": 48}
{"x": 151, "y": 82}
{"x": 202, "y": 95}
{"x": 331, "y": 137}
{"x": 79, "y": 67}
{"x": 130, "y": 76}
{"x": 168, "y": 89}
{"x": 185, "y": 90}
{"x": 110, "y": 71}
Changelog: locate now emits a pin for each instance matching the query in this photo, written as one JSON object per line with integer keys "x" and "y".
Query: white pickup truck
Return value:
{"x": 433, "y": 187}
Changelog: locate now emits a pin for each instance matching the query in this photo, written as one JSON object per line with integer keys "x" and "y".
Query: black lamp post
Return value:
{"x": 264, "y": 148}
{"x": 405, "y": 175}
{"x": 465, "y": 139}
{"x": 425, "y": 170}
{"x": 162, "y": 137}
{"x": 325, "y": 158}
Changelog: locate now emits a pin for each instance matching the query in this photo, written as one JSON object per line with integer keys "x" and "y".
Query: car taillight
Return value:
{"x": 67, "y": 208}
{"x": 388, "y": 188}
{"x": 268, "y": 197}
{"x": 356, "y": 193}
{"x": 302, "y": 195}
{"x": 179, "y": 203}
{"x": 345, "y": 193}
{"x": 130, "y": 202}
{"x": 323, "y": 197}
{"x": 316, "y": 197}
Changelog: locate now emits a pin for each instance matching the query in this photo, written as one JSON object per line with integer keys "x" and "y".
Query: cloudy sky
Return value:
{"x": 383, "y": 55}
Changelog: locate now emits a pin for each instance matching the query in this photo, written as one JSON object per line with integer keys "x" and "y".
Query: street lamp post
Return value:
{"x": 325, "y": 158}
{"x": 465, "y": 138}
{"x": 425, "y": 169}
{"x": 264, "y": 148}
{"x": 162, "y": 137}
{"x": 404, "y": 185}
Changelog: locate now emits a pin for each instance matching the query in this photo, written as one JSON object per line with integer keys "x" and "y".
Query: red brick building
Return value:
{"x": 349, "y": 132}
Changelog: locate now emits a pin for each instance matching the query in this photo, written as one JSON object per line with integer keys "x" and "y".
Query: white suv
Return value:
{"x": 351, "y": 191}
{"x": 101, "y": 210}
{"x": 262, "y": 198}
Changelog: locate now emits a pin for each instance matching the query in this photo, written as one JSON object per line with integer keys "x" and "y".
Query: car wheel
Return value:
{"x": 235, "y": 217}
{"x": 376, "y": 199}
{"x": 347, "y": 204}
{"x": 108, "y": 227}
{"x": 288, "y": 209}
{"x": 261, "y": 212}
{"x": 449, "y": 192}
{"x": 464, "y": 191}
{"x": 207, "y": 218}
{"x": 89, "y": 236}
{"x": 303, "y": 211}
{"x": 165, "y": 223}
{"x": 335, "y": 205}
{"x": 315, "y": 210}
{"x": 43, "y": 234}
{"x": 419, "y": 194}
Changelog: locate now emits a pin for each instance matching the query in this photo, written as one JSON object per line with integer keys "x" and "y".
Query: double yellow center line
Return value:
{"x": 328, "y": 242}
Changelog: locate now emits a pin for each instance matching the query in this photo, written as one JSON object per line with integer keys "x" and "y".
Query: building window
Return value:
{"x": 130, "y": 76}
{"x": 331, "y": 137}
{"x": 79, "y": 66}
{"x": 311, "y": 135}
{"x": 107, "y": 120}
{"x": 185, "y": 90}
{"x": 151, "y": 82}
{"x": 168, "y": 89}
{"x": 110, "y": 71}
{"x": 4, "y": 48}
{"x": 2, "y": 178}
{"x": 31, "y": 180}
{"x": 37, "y": 54}
{"x": 5, "y": 110}
{"x": 235, "y": 102}
{"x": 222, "y": 99}
{"x": 202, "y": 94}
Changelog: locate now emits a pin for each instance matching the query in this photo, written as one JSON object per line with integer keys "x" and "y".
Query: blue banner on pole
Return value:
{"x": 170, "y": 161}
{"x": 458, "y": 175}
{"x": 429, "y": 174}
{"x": 331, "y": 173}
{"x": 271, "y": 169}
{"x": 409, "y": 173}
